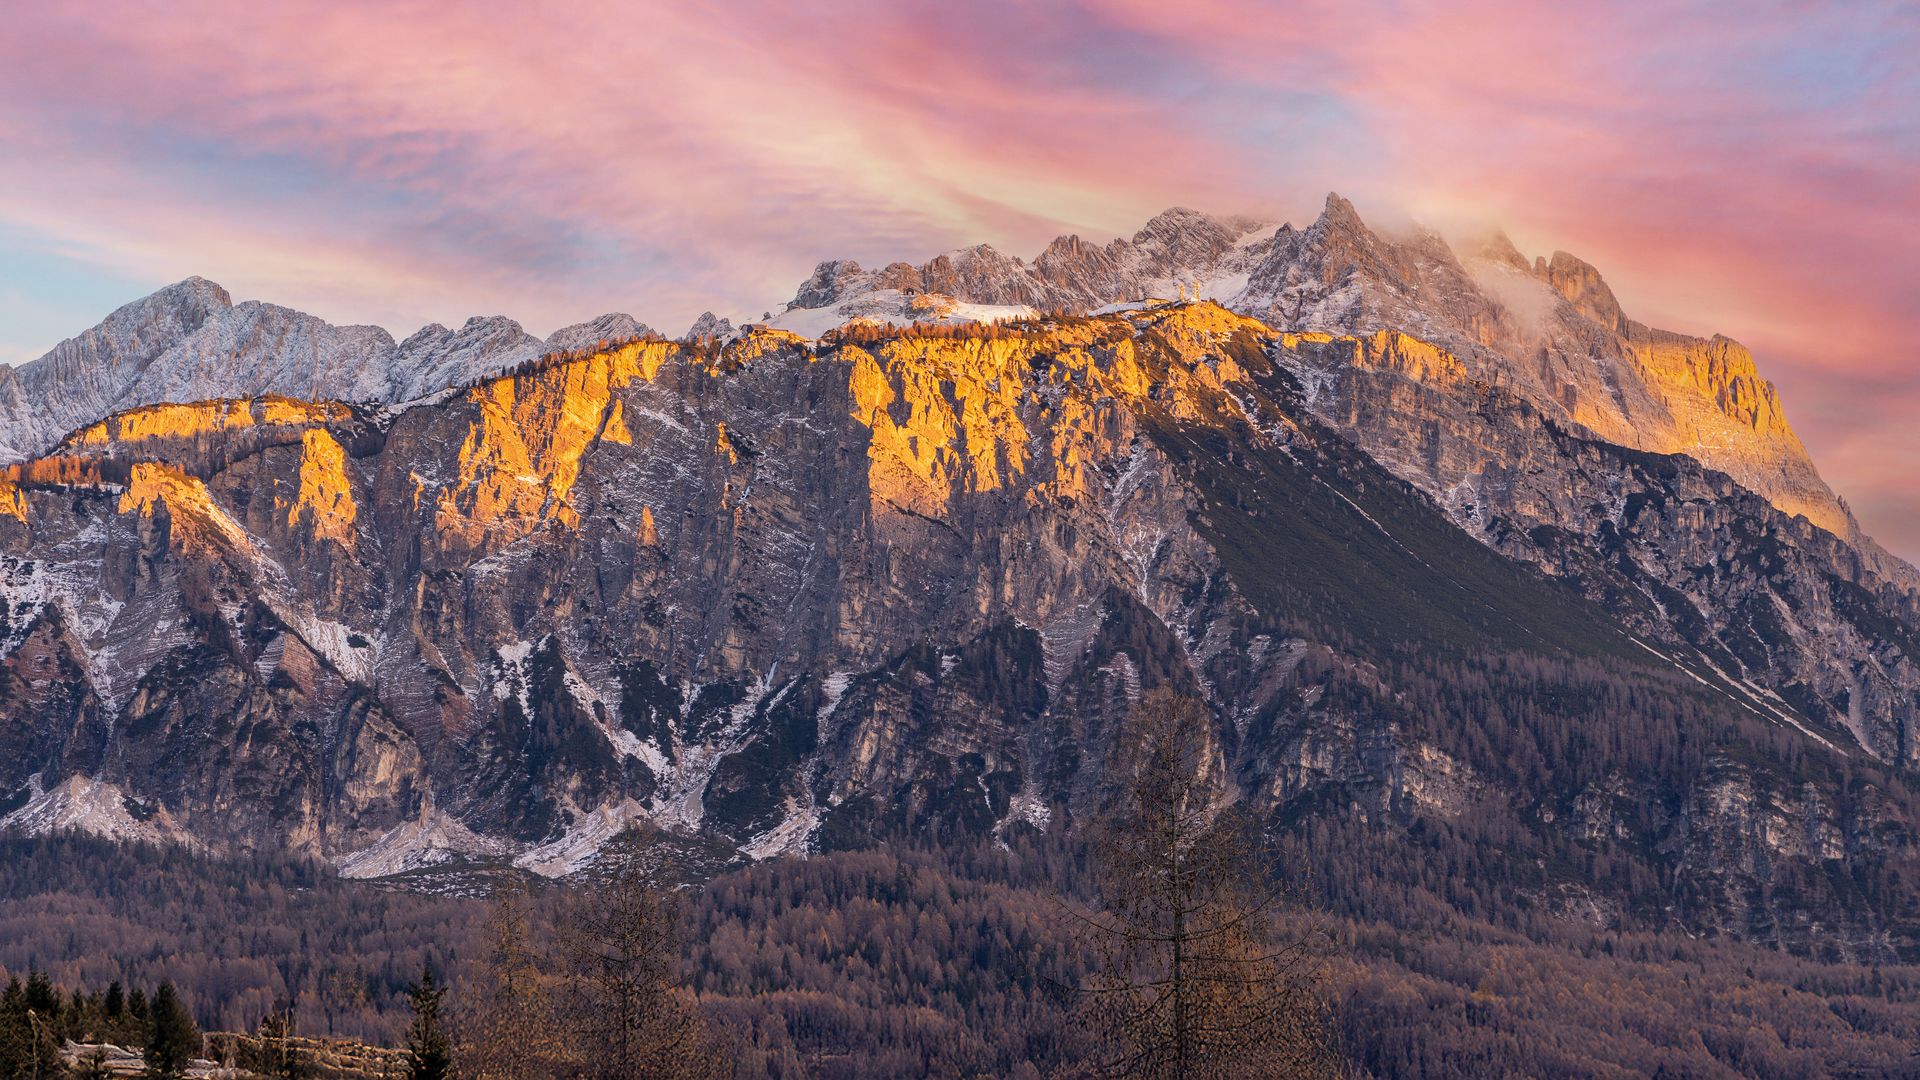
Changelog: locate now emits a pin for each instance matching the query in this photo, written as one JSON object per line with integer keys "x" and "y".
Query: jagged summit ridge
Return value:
{"x": 190, "y": 342}
{"x": 85, "y": 377}
{"x": 1179, "y": 250}
{"x": 1550, "y": 329}
{"x": 616, "y": 326}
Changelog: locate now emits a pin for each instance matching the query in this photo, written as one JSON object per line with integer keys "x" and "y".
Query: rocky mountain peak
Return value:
{"x": 1586, "y": 290}
{"x": 708, "y": 325}
{"x": 1555, "y": 334}
{"x": 1180, "y": 239}
{"x": 190, "y": 342}
{"x": 194, "y": 292}
{"x": 1068, "y": 247}
{"x": 616, "y": 326}
{"x": 435, "y": 357}
{"x": 1495, "y": 247}
{"x": 899, "y": 276}
{"x": 1339, "y": 215}
{"x": 829, "y": 281}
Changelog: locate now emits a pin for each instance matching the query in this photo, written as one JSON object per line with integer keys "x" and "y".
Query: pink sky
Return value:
{"x": 1749, "y": 168}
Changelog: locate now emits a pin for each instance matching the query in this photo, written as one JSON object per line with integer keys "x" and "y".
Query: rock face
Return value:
{"x": 599, "y": 333}
{"x": 435, "y": 357}
{"x": 1677, "y": 551}
{"x": 1549, "y": 332}
{"x": 85, "y": 378}
{"x": 774, "y": 594}
{"x": 1553, "y": 335}
{"x": 708, "y": 325}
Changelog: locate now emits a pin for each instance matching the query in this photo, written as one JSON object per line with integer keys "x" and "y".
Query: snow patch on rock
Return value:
{"x": 95, "y": 807}
{"x": 431, "y": 839}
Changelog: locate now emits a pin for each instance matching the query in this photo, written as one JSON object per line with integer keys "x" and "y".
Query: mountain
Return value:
{"x": 776, "y": 594}
{"x": 1550, "y": 332}
{"x": 190, "y": 342}
{"x": 598, "y": 333}
{"x": 1506, "y": 390}
{"x": 1468, "y": 564}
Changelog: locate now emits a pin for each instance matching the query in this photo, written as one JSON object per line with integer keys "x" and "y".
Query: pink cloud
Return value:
{"x": 1749, "y": 169}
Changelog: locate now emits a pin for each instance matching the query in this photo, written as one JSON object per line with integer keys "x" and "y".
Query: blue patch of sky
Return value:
{"x": 48, "y": 294}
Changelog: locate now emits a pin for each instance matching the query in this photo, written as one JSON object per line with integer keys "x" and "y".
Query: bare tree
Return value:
{"x": 619, "y": 943}
{"x": 508, "y": 1028}
{"x": 1189, "y": 980}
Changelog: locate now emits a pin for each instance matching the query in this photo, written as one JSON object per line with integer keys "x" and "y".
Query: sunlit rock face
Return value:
{"x": 1549, "y": 331}
{"x": 776, "y": 594}
{"x": 1553, "y": 334}
{"x": 670, "y": 581}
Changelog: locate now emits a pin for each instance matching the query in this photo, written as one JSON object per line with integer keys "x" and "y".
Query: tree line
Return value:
{"x": 1175, "y": 968}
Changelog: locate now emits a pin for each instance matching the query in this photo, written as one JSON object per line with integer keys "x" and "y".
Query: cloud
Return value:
{"x": 1747, "y": 168}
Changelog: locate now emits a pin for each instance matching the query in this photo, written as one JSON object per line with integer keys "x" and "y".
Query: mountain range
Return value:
{"x": 1467, "y": 563}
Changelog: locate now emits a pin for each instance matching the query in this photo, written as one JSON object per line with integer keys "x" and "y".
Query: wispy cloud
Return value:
{"x": 1749, "y": 168}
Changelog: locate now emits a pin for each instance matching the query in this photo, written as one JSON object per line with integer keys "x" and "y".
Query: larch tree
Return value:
{"x": 619, "y": 946}
{"x": 508, "y": 1028}
{"x": 1190, "y": 976}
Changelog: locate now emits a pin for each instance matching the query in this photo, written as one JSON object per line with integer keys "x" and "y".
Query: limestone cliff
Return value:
{"x": 1549, "y": 331}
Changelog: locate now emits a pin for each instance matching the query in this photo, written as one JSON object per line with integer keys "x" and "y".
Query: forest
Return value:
{"x": 939, "y": 963}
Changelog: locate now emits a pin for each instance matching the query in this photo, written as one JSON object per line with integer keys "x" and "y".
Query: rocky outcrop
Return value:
{"x": 86, "y": 377}
{"x": 1583, "y": 288}
{"x": 435, "y": 357}
{"x": 1790, "y": 615}
{"x": 1179, "y": 252}
{"x": 599, "y": 333}
{"x": 708, "y": 325}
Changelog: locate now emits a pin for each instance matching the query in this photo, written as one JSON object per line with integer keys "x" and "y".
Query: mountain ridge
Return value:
{"x": 1580, "y": 356}
{"x": 777, "y": 595}
{"x": 190, "y": 342}
{"x": 774, "y": 591}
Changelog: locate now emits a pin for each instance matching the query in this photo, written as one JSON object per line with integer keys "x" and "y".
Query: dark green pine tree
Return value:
{"x": 116, "y": 1001}
{"x": 28, "y": 1046}
{"x": 171, "y": 1046}
{"x": 41, "y": 996}
{"x": 429, "y": 1053}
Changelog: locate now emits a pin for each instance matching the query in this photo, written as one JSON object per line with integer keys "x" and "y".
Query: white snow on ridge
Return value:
{"x": 893, "y": 306}
{"x": 793, "y": 836}
{"x": 429, "y": 840}
{"x": 578, "y": 847}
